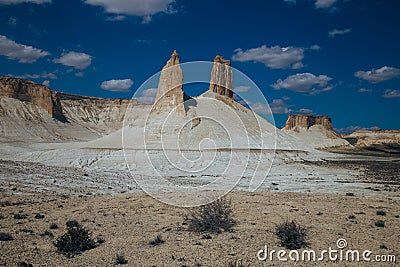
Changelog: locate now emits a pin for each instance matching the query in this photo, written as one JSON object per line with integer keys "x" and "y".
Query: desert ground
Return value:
{"x": 127, "y": 219}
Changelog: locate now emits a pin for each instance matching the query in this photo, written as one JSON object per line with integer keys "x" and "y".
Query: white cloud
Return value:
{"x": 241, "y": 89}
{"x": 148, "y": 96}
{"x": 335, "y": 32}
{"x": 290, "y": 1}
{"x": 123, "y": 85}
{"x": 350, "y": 129}
{"x": 140, "y": 8}
{"x": 74, "y": 59}
{"x": 20, "y": 52}
{"x": 10, "y": 2}
{"x": 325, "y": 3}
{"x": 375, "y": 76}
{"x": 277, "y": 106}
{"x": 274, "y": 57}
{"x": 304, "y": 82}
{"x": 315, "y": 47}
{"x": 46, "y": 83}
{"x": 12, "y": 21}
{"x": 390, "y": 93}
{"x": 364, "y": 90}
{"x": 116, "y": 18}
{"x": 305, "y": 111}
{"x": 44, "y": 75}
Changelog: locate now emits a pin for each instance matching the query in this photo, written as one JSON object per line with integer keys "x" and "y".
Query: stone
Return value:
{"x": 170, "y": 93}
{"x": 221, "y": 77}
{"x": 305, "y": 121}
{"x": 90, "y": 112}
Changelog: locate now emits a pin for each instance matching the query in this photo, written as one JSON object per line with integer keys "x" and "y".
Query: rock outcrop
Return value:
{"x": 305, "y": 121}
{"x": 29, "y": 110}
{"x": 221, "y": 77}
{"x": 368, "y": 138}
{"x": 315, "y": 131}
{"x": 28, "y": 91}
{"x": 170, "y": 93}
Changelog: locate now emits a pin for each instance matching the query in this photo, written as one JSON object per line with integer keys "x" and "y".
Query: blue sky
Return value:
{"x": 326, "y": 57}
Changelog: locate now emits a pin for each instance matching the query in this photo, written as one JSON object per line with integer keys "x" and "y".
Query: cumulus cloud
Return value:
{"x": 274, "y": 57}
{"x": 74, "y": 59}
{"x": 390, "y": 93}
{"x": 46, "y": 83}
{"x": 277, "y": 106}
{"x": 44, "y": 75}
{"x": 305, "y": 111}
{"x": 364, "y": 90}
{"x": 350, "y": 129}
{"x": 116, "y": 18}
{"x": 335, "y": 32}
{"x": 315, "y": 47}
{"x": 9, "y": 2}
{"x": 241, "y": 89}
{"x": 123, "y": 85}
{"x": 141, "y": 8}
{"x": 325, "y": 3}
{"x": 20, "y": 52}
{"x": 304, "y": 83}
{"x": 148, "y": 96}
{"x": 375, "y": 76}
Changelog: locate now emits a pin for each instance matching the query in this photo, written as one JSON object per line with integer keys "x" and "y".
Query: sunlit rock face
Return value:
{"x": 305, "y": 121}
{"x": 221, "y": 77}
{"x": 170, "y": 93}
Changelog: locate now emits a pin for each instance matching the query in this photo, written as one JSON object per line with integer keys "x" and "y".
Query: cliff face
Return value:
{"x": 31, "y": 92}
{"x": 32, "y": 110}
{"x": 315, "y": 131}
{"x": 367, "y": 138}
{"x": 221, "y": 77}
{"x": 305, "y": 121}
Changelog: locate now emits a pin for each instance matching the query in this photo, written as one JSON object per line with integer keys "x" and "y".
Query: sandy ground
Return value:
{"x": 128, "y": 222}
{"x": 334, "y": 198}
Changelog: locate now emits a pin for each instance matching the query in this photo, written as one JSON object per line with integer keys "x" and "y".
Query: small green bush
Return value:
{"x": 76, "y": 240}
{"x": 6, "y": 237}
{"x": 380, "y": 213}
{"x": 24, "y": 264}
{"x": 20, "y": 216}
{"x": 47, "y": 233}
{"x": 39, "y": 216}
{"x": 291, "y": 235}
{"x": 213, "y": 217}
{"x": 156, "y": 241}
{"x": 72, "y": 223}
{"x": 380, "y": 223}
{"x": 53, "y": 226}
{"x": 120, "y": 259}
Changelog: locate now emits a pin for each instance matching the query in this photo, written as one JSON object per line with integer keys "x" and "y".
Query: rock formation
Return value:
{"x": 315, "y": 131}
{"x": 221, "y": 77}
{"x": 305, "y": 121}
{"x": 28, "y": 91}
{"x": 385, "y": 140}
{"x": 32, "y": 110}
{"x": 170, "y": 87}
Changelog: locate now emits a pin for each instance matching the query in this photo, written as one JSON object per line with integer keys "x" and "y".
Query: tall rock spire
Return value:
{"x": 170, "y": 87}
{"x": 221, "y": 77}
